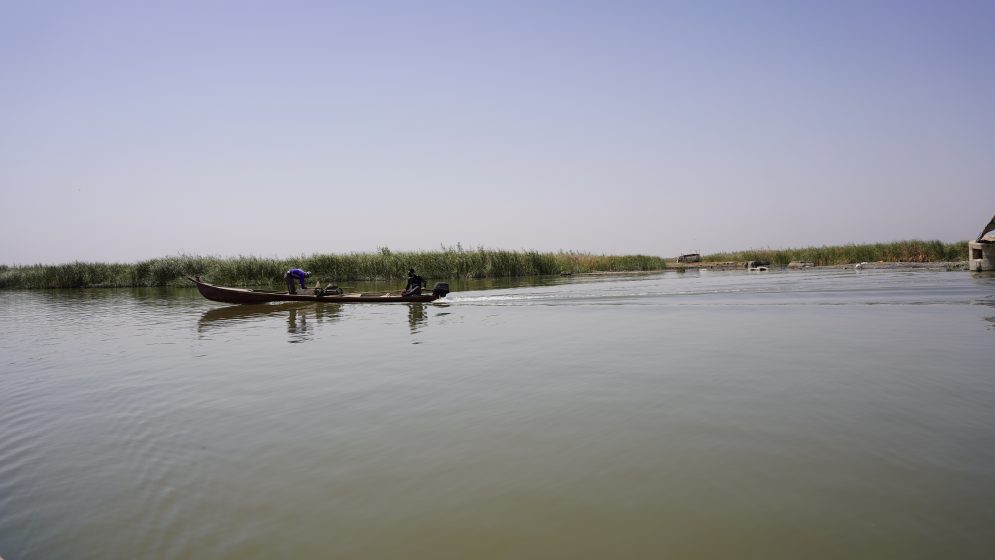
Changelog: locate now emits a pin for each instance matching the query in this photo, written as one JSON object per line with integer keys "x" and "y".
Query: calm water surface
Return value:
{"x": 812, "y": 414}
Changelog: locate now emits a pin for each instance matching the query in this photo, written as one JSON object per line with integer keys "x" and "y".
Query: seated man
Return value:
{"x": 293, "y": 275}
{"x": 415, "y": 284}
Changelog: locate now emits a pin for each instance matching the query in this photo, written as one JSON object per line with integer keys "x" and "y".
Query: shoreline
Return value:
{"x": 879, "y": 265}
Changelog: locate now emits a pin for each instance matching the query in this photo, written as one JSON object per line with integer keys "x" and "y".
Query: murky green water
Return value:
{"x": 812, "y": 414}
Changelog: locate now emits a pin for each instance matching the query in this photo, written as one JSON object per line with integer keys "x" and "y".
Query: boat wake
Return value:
{"x": 741, "y": 289}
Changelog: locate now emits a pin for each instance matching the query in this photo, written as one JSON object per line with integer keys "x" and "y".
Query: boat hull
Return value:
{"x": 248, "y": 296}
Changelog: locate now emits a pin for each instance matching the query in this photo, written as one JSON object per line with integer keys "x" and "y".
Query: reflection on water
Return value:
{"x": 416, "y": 316}
{"x": 297, "y": 316}
{"x": 297, "y": 325}
{"x": 303, "y": 317}
{"x": 238, "y": 313}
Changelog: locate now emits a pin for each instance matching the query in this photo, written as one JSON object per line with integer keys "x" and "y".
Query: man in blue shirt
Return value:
{"x": 293, "y": 275}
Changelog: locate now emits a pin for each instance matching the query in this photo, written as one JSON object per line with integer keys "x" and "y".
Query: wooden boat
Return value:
{"x": 245, "y": 295}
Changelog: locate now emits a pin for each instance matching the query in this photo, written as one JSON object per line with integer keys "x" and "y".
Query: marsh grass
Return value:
{"x": 450, "y": 263}
{"x": 912, "y": 251}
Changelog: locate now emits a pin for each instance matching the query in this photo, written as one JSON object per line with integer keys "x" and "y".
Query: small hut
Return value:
{"x": 981, "y": 251}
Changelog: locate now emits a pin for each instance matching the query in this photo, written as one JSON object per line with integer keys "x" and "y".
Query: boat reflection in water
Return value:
{"x": 416, "y": 316}
{"x": 297, "y": 315}
{"x": 301, "y": 317}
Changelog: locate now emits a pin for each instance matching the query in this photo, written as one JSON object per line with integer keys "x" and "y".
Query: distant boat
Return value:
{"x": 246, "y": 295}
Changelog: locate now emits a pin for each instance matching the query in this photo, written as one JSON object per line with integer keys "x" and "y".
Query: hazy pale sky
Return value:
{"x": 134, "y": 130}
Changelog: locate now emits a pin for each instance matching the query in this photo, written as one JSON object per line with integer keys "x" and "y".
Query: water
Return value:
{"x": 815, "y": 414}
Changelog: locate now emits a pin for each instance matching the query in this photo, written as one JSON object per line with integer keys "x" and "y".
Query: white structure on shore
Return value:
{"x": 981, "y": 251}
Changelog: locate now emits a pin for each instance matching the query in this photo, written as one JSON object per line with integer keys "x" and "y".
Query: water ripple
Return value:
{"x": 151, "y": 424}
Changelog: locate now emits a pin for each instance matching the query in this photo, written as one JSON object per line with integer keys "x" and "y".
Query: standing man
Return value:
{"x": 415, "y": 284}
{"x": 292, "y": 276}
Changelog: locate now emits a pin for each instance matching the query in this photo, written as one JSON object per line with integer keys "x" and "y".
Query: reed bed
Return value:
{"x": 912, "y": 251}
{"x": 446, "y": 264}
{"x": 449, "y": 263}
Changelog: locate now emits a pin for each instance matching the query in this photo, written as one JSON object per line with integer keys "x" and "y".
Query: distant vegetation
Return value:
{"x": 446, "y": 264}
{"x": 899, "y": 251}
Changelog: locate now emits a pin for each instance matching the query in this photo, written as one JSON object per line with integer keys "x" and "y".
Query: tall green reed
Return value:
{"x": 449, "y": 263}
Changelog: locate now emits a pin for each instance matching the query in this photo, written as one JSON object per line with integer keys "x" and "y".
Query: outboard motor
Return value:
{"x": 440, "y": 289}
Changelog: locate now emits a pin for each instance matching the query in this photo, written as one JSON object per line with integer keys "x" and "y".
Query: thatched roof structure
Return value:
{"x": 989, "y": 227}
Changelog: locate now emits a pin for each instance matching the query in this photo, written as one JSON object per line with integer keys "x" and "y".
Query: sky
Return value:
{"x": 138, "y": 130}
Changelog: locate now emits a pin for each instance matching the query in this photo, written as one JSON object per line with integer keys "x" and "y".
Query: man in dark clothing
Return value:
{"x": 292, "y": 276}
{"x": 415, "y": 284}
